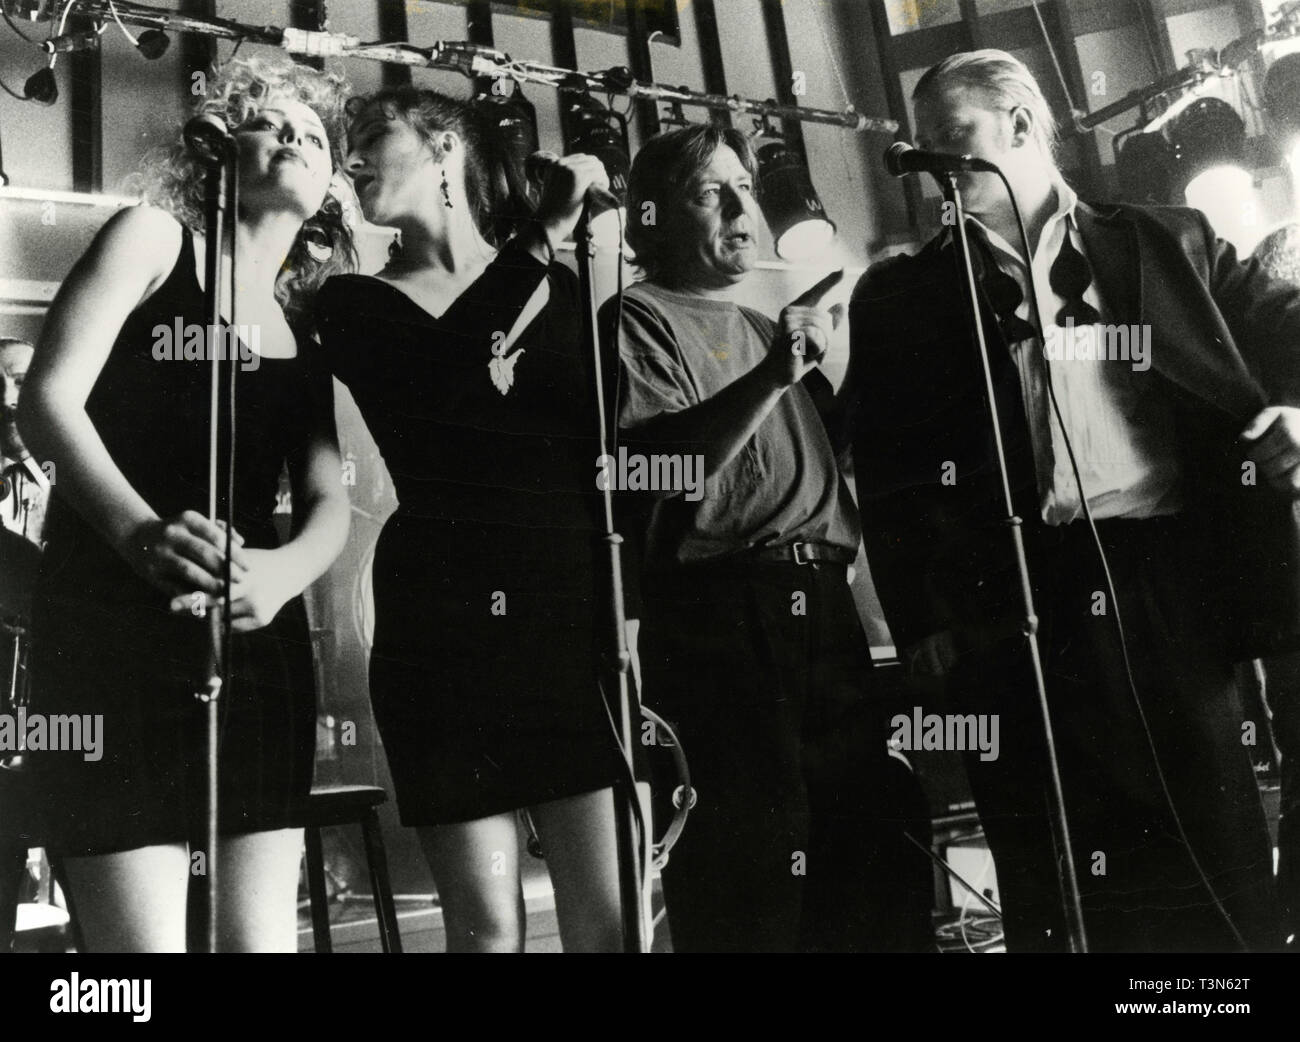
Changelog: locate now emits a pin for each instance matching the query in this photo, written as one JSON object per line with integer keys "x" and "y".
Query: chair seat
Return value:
{"x": 340, "y": 804}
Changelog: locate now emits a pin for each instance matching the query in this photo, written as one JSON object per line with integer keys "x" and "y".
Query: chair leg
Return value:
{"x": 380, "y": 884}
{"x": 320, "y": 907}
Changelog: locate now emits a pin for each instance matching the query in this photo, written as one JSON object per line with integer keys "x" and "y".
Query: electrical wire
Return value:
{"x": 4, "y": 11}
{"x": 1152, "y": 52}
{"x": 112, "y": 8}
{"x": 63, "y": 22}
{"x": 1110, "y": 584}
{"x": 965, "y": 907}
{"x": 14, "y": 26}
{"x": 646, "y": 839}
{"x": 839, "y": 79}
{"x": 54, "y": 55}
{"x": 976, "y": 933}
{"x": 951, "y": 872}
{"x": 1056, "y": 62}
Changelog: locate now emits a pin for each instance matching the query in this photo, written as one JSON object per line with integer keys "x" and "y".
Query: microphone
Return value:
{"x": 901, "y": 158}
{"x": 207, "y": 138}
{"x": 86, "y": 40}
{"x": 598, "y": 199}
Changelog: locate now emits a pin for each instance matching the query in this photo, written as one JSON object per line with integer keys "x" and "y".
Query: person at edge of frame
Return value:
{"x": 1170, "y": 366}
{"x": 24, "y": 486}
{"x": 24, "y": 495}
{"x": 1279, "y": 254}
{"x": 133, "y": 567}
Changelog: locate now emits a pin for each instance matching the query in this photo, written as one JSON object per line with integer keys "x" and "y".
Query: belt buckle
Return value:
{"x": 799, "y": 556}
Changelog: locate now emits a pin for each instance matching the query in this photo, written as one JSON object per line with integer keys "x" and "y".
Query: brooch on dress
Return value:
{"x": 502, "y": 371}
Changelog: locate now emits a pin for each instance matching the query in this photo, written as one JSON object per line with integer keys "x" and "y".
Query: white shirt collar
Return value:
{"x": 28, "y": 466}
{"x": 1067, "y": 202}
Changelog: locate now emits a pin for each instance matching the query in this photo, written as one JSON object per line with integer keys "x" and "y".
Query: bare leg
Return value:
{"x": 475, "y": 866}
{"x": 133, "y": 901}
{"x": 258, "y": 891}
{"x": 578, "y": 839}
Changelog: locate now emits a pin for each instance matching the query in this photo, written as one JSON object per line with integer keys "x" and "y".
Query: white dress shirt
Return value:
{"x": 1120, "y": 426}
{"x": 24, "y": 495}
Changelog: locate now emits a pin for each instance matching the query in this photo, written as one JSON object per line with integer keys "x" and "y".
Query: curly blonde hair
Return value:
{"x": 171, "y": 179}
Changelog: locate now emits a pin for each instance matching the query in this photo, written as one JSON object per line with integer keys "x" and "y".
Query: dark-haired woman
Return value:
{"x": 463, "y": 355}
{"x": 132, "y": 562}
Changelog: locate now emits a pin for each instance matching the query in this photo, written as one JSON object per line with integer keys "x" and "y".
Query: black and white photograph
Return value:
{"x": 731, "y": 477}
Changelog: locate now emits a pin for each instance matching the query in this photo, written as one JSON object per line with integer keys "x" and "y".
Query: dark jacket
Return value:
{"x": 1225, "y": 344}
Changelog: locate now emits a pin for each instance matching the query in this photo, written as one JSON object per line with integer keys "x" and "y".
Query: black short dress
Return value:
{"x": 104, "y": 642}
{"x": 484, "y": 671}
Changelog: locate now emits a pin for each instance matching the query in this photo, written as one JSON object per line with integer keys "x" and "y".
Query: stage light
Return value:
{"x": 1207, "y": 134}
{"x": 512, "y": 120}
{"x": 1197, "y": 145}
{"x": 1209, "y": 189}
{"x": 153, "y": 43}
{"x": 800, "y": 228}
{"x": 1147, "y": 170}
{"x": 598, "y": 131}
{"x": 41, "y": 87}
{"x": 1226, "y": 195}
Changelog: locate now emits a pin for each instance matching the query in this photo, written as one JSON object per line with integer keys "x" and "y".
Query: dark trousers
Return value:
{"x": 1142, "y": 889}
{"x": 1283, "y": 693}
{"x": 764, "y": 670}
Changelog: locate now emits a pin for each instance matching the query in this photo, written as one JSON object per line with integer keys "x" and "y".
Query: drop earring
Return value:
{"x": 395, "y": 247}
{"x": 446, "y": 192}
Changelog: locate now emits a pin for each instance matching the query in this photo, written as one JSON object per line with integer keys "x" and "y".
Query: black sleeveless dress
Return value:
{"x": 484, "y": 671}
{"x": 104, "y": 642}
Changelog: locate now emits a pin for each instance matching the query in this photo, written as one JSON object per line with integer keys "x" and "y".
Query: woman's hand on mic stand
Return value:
{"x": 183, "y": 555}
{"x": 258, "y": 592}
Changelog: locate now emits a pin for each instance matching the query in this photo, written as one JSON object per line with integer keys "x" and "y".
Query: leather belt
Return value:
{"x": 807, "y": 553}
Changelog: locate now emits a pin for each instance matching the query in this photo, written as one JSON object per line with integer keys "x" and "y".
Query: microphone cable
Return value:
{"x": 645, "y": 844}
{"x": 4, "y": 12}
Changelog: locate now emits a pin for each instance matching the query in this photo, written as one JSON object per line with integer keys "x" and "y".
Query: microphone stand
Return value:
{"x": 220, "y": 203}
{"x": 1067, "y": 877}
{"x": 618, "y": 659}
